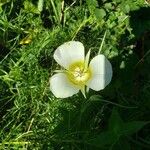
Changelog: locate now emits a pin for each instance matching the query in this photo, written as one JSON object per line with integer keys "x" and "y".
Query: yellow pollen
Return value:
{"x": 78, "y": 74}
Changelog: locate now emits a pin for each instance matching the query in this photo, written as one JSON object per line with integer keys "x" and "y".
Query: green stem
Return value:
{"x": 101, "y": 46}
{"x": 55, "y": 11}
{"x": 14, "y": 143}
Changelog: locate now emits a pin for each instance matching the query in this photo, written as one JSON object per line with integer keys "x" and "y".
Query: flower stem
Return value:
{"x": 101, "y": 46}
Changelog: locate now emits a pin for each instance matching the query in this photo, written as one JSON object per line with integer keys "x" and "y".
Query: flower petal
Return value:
{"x": 61, "y": 87}
{"x": 101, "y": 73}
{"x": 68, "y": 53}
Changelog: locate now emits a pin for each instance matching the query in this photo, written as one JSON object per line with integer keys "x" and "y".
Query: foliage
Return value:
{"x": 31, "y": 117}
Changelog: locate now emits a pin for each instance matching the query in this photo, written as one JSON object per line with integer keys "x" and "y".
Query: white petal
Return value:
{"x": 101, "y": 73}
{"x": 61, "y": 87}
{"x": 68, "y": 53}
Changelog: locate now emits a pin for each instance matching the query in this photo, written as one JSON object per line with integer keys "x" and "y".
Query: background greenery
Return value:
{"x": 112, "y": 119}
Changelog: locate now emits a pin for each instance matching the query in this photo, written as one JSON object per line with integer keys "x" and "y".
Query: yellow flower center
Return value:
{"x": 78, "y": 74}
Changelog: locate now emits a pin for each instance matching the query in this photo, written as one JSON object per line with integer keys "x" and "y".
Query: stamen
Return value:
{"x": 77, "y": 73}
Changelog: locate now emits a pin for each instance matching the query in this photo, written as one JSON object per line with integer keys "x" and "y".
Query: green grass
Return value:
{"x": 31, "y": 117}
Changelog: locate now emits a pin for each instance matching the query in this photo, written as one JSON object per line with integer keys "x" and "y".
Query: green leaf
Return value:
{"x": 108, "y": 6}
{"x": 115, "y": 122}
{"x": 100, "y": 13}
{"x": 103, "y": 139}
{"x": 132, "y": 127}
{"x": 125, "y": 8}
{"x": 29, "y": 7}
{"x": 40, "y": 5}
{"x": 2, "y": 2}
{"x": 121, "y": 144}
{"x": 92, "y": 4}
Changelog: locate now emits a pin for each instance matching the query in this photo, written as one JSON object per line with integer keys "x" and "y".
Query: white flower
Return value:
{"x": 78, "y": 73}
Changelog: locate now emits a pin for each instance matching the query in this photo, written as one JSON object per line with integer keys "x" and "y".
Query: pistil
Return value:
{"x": 77, "y": 73}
